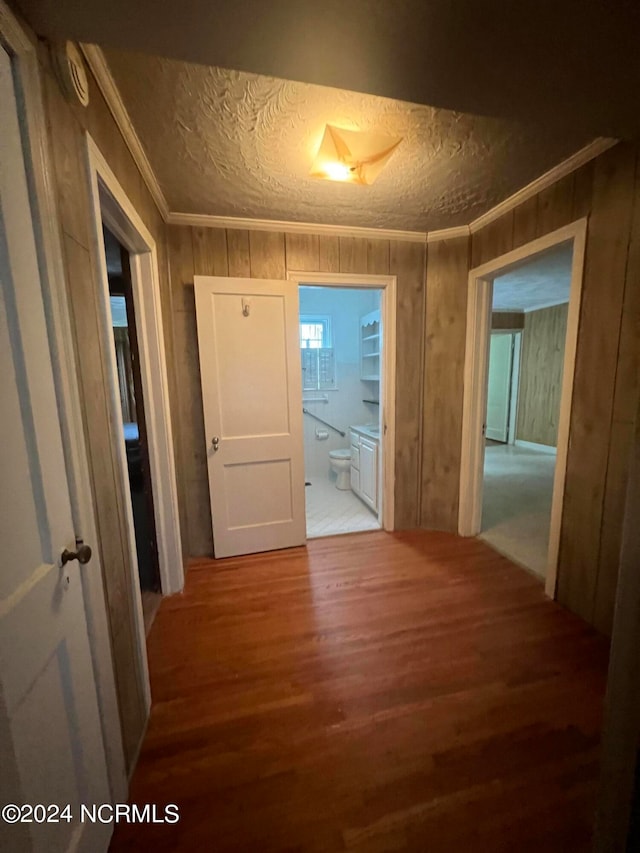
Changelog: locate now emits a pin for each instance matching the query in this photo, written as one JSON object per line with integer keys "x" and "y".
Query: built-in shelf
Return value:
{"x": 370, "y": 347}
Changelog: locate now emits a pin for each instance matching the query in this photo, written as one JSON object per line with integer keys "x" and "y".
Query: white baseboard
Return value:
{"x": 531, "y": 445}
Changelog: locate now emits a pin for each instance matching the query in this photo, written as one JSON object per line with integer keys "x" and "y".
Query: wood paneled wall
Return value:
{"x": 67, "y": 125}
{"x": 541, "y": 365}
{"x": 266, "y": 254}
{"x": 443, "y": 377}
{"x": 507, "y": 320}
{"x": 607, "y": 190}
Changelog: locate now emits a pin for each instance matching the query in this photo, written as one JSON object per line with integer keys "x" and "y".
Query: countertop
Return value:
{"x": 371, "y": 431}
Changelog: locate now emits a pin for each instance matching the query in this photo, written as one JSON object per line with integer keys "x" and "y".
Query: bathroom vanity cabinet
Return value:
{"x": 364, "y": 464}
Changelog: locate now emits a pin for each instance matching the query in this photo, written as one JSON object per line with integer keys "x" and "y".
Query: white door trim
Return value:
{"x": 112, "y": 206}
{"x": 52, "y": 268}
{"x": 515, "y": 387}
{"x": 387, "y": 284}
{"x": 480, "y": 294}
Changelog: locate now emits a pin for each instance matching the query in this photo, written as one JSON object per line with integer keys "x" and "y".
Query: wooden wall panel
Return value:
{"x": 541, "y": 366}
{"x": 583, "y": 190}
{"x": 267, "y": 254}
{"x": 507, "y": 320}
{"x": 555, "y": 206}
{"x": 67, "y": 125}
{"x": 493, "y": 240}
{"x": 238, "y": 249}
{"x": 303, "y": 252}
{"x": 407, "y": 262}
{"x": 210, "y": 251}
{"x": 329, "y": 251}
{"x": 594, "y": 383}
{"x": 446, "y": 322}
{"x": 627, "y": 387}
{"x": 264, "y": 254}
{"x": 525, "y": 222}
{"x": 353, "y": 254}
{"x": 378, "y": 257}
{"x": 188, "y": 247}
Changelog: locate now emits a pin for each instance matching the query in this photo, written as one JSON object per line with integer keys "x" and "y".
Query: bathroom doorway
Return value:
{"x": 342, "y": 360}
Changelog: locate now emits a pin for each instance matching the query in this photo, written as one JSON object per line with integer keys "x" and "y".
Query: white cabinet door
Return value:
{"x": 499, "y": 386}
{"x": 51, "y": 743}
{"x": 248, "y": 338}
{"x": 369, "y": 472}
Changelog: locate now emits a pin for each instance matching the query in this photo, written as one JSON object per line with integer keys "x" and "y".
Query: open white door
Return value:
{"x": 499, "y": 386}
{"x": 51, "y": 747}
{"x": 252, "y": 396}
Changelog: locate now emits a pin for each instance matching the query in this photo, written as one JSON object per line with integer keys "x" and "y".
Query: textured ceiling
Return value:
{"x": 538, "y": 283}
{"x": 231, "y": 143}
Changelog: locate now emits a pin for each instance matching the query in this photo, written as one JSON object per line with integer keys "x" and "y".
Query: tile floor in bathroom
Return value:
{"x": 331, "y": 511}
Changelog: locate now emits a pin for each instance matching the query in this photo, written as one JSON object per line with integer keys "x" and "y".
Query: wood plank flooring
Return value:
{"x": 373, "y": 692}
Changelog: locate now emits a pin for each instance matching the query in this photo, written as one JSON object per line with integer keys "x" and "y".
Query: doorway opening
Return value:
{"x": 125, "y": 342}
{"x": 342, "y": 361}
{"x": 522, "y": 327}
{"x": 524, "y": 383}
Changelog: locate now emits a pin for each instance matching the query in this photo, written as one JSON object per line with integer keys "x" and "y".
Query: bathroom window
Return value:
{"x": 315, "y": 332}
{"x": 318, "y": 361}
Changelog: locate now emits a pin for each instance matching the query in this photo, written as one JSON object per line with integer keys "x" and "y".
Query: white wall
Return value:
{"x": 345, "y": 407}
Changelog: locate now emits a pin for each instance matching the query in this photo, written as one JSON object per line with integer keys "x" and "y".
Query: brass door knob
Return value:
{"x": 215, "y": 441}
{"x": 82, "y": 554}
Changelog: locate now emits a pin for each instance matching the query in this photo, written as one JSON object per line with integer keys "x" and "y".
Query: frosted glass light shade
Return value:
{"x": 352, "y": 156}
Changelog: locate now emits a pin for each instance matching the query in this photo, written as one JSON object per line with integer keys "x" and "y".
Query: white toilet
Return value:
{"x": 341, "y": 463}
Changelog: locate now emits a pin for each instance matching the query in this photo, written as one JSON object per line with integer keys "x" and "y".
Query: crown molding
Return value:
{"x": 448, "y": 233}
{"x": 205, "y": 221}
{"x": 566, "y": 167}
{"x": 584, "y": 155}
{"x": 100, "y": 70}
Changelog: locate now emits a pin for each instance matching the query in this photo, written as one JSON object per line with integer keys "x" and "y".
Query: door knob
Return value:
{"x": 215, "y": 441}
{"x": 82, "y": 555}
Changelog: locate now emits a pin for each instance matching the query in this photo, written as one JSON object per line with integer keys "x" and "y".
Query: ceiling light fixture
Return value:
{"x": 352, "y": 156}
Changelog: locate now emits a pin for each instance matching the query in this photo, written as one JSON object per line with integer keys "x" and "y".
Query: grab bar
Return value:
{"x": 326, "y": 423}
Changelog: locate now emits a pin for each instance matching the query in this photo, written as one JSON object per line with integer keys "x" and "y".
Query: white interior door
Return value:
{"x": 499, "y": 386}
{"x": 252, "y": 396}
{"x": 51, "y": 744}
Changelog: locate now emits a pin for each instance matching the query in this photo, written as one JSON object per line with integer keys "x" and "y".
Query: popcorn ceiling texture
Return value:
{"x": 230, "y": 143}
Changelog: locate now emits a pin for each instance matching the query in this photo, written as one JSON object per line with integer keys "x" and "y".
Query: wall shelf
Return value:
{"x": 370, "y": 347}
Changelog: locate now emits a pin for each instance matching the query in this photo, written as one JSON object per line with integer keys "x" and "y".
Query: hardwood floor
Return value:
{"x": 374, "y": 692}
